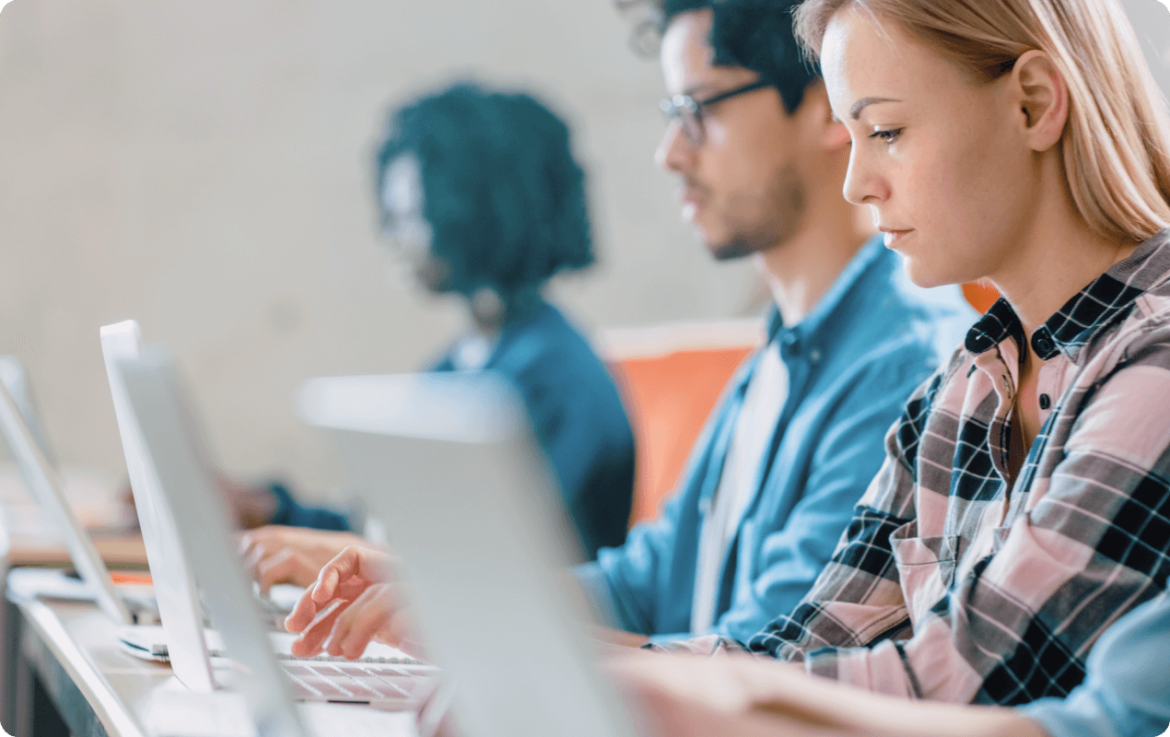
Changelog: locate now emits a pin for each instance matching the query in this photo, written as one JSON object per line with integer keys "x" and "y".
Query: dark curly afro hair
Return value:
{"x": 501, "y": 190}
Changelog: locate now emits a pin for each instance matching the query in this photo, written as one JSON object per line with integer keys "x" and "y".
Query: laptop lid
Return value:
{"x": 17, "y": 418}
{"x": 173, "y": 459}
{"x": 174, "y": 589}
{"x": 448, "y": 463}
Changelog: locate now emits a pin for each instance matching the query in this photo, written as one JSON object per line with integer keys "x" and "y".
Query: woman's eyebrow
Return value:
{"x": 863, "y": 103}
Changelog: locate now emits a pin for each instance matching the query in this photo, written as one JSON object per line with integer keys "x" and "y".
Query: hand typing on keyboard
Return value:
{"x": 354, "y": 600}
{"x": 277, "y": 554}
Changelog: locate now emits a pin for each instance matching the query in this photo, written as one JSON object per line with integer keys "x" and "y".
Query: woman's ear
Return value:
{"x": 1042, "y": 96}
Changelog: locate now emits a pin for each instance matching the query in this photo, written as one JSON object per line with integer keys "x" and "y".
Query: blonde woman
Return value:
{"x": 1024, "y": 505}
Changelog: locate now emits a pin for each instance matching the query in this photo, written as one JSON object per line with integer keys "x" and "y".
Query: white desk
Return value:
{"x": 65, "y": 675}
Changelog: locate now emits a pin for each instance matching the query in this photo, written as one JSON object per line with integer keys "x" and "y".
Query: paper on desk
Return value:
{"x": 225, "y": 714}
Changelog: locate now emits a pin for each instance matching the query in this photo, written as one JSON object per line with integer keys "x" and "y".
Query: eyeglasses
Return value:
{"x": 689, "y": 112}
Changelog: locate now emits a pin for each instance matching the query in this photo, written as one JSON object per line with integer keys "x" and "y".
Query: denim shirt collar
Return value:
{"x": 810, "y": 333}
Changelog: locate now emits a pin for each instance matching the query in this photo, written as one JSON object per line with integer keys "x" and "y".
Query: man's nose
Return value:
{"x": 674, "y": 153}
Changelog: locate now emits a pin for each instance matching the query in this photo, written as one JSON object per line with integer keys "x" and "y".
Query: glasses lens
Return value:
{"x": 692, "y": 124}
{"x": 686, "y": 112}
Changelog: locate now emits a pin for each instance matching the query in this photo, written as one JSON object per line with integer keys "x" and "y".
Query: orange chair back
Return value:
{"x": 981, "y": 295}
{"x": 669, "y": 398}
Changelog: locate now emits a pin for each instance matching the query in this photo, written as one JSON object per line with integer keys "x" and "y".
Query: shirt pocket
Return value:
{"x": 926, "y": 569}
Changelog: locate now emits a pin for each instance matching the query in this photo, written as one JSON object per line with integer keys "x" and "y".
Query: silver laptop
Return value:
{"x": 448, "y": 463}
{"x": 24, "y": 434}
{"x": 171, "y": 465}
{"x": 257, "y": 677}
{"x": 173, "y": 589}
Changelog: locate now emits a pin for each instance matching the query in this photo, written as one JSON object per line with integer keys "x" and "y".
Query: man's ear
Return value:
{"x": 1042, "y": 97}
{"x": 815, "y": 108}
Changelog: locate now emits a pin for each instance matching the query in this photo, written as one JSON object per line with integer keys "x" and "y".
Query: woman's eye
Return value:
{"x": 889, "y": 136}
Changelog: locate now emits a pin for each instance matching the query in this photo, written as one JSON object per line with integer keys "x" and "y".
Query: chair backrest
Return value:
{"x": 981, "y": 295}
{"x": 672, "y": 376}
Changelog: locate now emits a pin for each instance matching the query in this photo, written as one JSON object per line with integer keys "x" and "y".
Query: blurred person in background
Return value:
{"x": 481, "y": 193}
{"x": 773, "y": 479}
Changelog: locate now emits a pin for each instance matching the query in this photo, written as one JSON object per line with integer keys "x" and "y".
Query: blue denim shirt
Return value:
{"x": 1127, "y": 690}
{"x": 852, "y": 362}
{"x": 577, "y": 416}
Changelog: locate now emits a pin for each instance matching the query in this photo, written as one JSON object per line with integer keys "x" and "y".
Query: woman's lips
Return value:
{"x": 894, "y": 237}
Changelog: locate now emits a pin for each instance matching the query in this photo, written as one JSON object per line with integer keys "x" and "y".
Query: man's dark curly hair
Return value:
{"x": 754, "y": 34}
{"x": 501, "y": 190}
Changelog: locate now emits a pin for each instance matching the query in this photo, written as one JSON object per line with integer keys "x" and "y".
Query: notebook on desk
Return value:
{"x": 448, "y": 464}
{"x": 168, "y": 465}
{"x": 23, "y": 432}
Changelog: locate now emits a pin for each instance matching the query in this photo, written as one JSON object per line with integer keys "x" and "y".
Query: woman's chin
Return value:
{"x": 928, "y": 275}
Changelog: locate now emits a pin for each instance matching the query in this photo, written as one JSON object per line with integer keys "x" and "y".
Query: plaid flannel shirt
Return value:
{"x": 954, "y": 583}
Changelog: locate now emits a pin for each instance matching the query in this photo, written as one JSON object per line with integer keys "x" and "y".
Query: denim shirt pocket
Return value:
{"x": 926, "y": 568}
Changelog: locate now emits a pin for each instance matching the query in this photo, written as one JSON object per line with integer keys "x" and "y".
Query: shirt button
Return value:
{"x": 814, "y": 355}
{"x": 1045, "y": 401}
{"x": 1043, "y": 345}
{"x": 791, "y": 342}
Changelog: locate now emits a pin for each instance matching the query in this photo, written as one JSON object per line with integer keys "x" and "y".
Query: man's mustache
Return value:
{"x": 695, "y": 185}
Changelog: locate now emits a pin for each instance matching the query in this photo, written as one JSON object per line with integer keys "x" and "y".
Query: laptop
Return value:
{"x": 173, "y": 589}
{"x": 265, "y": 694}
{"x": 28, "y": 445}
{"x": 170, "y": 464}
{"x": 448, "y": 463}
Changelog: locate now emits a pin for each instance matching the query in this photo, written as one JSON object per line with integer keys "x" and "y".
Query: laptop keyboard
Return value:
{"x": 402, "y": 659}
{"x": 355, "y": 682}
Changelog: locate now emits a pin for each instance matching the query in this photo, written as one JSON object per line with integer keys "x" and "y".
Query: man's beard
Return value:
{"x": 758, "y": 223}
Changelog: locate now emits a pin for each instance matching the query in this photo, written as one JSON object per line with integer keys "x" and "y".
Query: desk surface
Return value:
{"x": 121, "y": 552}
{"x": 100, "y": 691}
{"x": 96, "y": 687}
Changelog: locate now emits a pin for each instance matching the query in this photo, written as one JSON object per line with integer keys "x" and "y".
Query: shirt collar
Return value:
{"x": 1105, "y": 299}
{"x": 813, "y": 323}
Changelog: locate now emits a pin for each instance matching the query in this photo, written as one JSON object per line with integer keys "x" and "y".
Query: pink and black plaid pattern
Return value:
{"x": 956, "y": 583}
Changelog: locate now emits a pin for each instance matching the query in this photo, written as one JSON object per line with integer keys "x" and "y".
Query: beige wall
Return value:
{"x": 202, "y": 166}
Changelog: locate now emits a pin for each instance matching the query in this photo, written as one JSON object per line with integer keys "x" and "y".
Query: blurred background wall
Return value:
{"x": 203, "y": 166}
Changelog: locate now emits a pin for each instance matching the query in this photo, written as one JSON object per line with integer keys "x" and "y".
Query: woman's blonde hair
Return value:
{"x": 1116, "y": 144}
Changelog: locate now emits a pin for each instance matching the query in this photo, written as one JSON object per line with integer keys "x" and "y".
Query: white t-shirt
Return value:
{"x": 763, "y": 401}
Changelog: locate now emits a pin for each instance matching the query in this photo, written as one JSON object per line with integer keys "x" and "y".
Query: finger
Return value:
{"x": 344, "y": 566}
{"x": 275, "y": 568}
{"x": 308, "y": 605}
{"x": 257, "y": 536}
{"x": 352, "y": 589}
{"x": 373, "y": 605}
{"x": 373, "y": 619}
{"x": 314, "y": 636}
{"x": 252, "y": 560}
{"x": 302, "y": 613}
{"x": 287, "y": 566}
